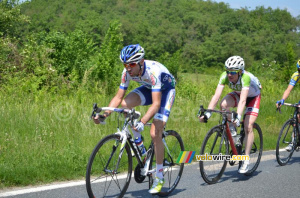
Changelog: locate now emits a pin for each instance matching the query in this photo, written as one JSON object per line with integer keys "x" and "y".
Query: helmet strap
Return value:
{"x": 141, "y": 68}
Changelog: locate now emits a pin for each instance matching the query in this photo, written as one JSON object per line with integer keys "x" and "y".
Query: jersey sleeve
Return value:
{"x": 294, "y": 78}
{"x": 223, "y": 79}
{"x": 246, "y": 80}
{"x": 124, "y": 80}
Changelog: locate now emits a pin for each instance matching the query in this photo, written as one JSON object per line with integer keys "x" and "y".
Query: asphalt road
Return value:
{"x": 269, "y": 180}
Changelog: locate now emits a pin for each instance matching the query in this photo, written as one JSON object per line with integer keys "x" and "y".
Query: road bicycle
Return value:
{"x": 219, "y": 142}
{"x": 289, "y": 134}
{"x": 109, "y": 167}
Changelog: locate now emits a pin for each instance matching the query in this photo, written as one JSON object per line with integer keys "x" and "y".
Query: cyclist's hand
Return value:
{"x": 139, "y": 127}
{"x": 279, "y": 103}
{"x": 205, "y": 117}
{"x": 99, "y": 119}
{"x": 237, "y": 121}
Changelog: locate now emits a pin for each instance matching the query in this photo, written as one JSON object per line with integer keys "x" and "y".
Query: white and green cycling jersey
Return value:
{"x": 246, "y": 80}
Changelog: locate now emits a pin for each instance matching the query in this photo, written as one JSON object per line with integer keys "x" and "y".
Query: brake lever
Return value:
{"x": 131, "y": 116}
{"x": 278, "y": 109}
{"x": 95, "y": 110}
{"x": 201, "y": 113}
{"x": 233, "y": 116}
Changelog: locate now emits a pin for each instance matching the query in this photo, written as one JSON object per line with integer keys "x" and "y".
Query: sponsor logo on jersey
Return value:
{"x": 124, "y": 78}
{"x": 166, "y": 78}
{"x": 153, "y": 79}
{"x": 170, "y": 102}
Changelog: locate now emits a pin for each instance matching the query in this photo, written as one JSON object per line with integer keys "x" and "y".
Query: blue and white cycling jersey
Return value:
{"x": 155, "y": 77}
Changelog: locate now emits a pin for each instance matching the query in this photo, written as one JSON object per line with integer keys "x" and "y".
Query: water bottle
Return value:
{"x": 237, "y": 140}
{"x": 232, "y": 129}
{"x": 139, "y": 142}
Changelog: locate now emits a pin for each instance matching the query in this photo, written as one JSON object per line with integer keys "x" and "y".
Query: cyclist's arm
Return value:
{"x": 216, "y": 97}
{"x": 116, "y": 101}
{"x": 153, "y": 109}
{"x": 243, "y": 99}
{"x": 287, "y": 92}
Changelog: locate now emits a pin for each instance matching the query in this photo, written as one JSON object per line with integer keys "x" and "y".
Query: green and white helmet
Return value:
{"x": 235, "y": 63}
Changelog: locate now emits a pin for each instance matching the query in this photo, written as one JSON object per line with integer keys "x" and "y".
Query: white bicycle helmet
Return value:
{"x": 235, "y": 63}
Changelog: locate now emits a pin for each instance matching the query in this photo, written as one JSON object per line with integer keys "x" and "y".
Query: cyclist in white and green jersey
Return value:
{"x": 246, "y": 92}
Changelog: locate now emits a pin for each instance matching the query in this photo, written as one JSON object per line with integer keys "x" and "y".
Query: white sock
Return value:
{"x": 247, "y": 161}
{"x": 159, "y": 171}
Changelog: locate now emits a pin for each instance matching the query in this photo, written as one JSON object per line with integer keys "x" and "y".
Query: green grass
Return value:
{"x": 49, "y": 137}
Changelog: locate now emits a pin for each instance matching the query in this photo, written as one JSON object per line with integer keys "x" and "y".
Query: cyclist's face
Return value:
{"x": 233, "y": 75}
{"x": 132, "y": 68}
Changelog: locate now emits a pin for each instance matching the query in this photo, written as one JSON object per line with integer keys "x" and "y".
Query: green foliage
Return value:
{"x": 206, "y": 33}
{"x": 58, "y": 57}
{"x": 10, "y": 17}
{"x": 172, "y": 62}
{"x": 108, "y": 67}
{"x": 47, "y": 137}
{"x": 71, "y": 54}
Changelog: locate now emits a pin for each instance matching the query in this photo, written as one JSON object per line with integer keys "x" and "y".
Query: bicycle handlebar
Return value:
{"x": 296, "y": 105}
{"x": 202, "y": 111}
{"x": 132, "y": 112}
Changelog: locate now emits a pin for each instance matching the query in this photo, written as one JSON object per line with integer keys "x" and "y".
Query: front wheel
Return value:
{"x": 285, "y": 138}
{"x": 256, "y": 150}
{"x": 215, "y": 143}
{"x": 107, "y": 175}
{"x": 173, "y": 145}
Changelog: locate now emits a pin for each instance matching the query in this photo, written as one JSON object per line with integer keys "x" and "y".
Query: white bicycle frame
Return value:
{"x": 125, "y": 134}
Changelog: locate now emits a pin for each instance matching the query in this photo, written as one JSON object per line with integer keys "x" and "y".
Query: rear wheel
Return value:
{"x": 285, "y": 138}
{"x": 173, "y": 145}
{"x": 215, "y": 143}
{"x": 256, "y": 150}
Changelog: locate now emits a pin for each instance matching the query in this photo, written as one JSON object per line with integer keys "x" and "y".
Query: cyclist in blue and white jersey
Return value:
{"x": 157, "y": 89}
{"x": 246, "y": 93}
{"x": 294, "y": 80}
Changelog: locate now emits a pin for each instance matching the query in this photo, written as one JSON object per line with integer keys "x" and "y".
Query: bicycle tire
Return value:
{"x": 100, "y": 175}
{"x": 282, "y": 155}
{"x": 212, "y": 146}
{"x": 256, "y": 150}
{"x": 171, "y": 168}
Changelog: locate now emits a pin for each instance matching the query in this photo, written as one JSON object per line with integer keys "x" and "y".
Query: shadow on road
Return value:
{"x": 144, "y": 193}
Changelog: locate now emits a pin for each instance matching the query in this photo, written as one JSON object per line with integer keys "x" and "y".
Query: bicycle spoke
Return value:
{"x": 105, "y": 169}
{"x": 172, "y": 172}
{"x": 256, "y": 150}
{"x": 284, "y": 152}
{"x": 213, "y": 144}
